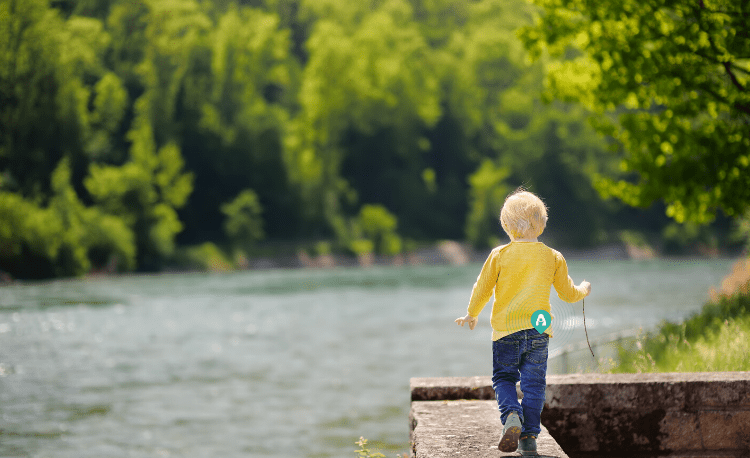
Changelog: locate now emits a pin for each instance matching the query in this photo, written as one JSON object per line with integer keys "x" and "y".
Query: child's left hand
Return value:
{"x": 470, "y": 320}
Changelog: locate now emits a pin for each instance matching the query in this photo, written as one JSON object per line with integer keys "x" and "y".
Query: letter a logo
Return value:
{"x": 541, "y": 320}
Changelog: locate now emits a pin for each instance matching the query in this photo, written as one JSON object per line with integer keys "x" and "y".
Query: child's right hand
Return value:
{"x": 471, "y": 320}
{"x": 586, "y": 286}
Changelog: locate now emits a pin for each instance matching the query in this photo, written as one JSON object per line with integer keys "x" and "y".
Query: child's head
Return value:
{"x": 524, "y": 215}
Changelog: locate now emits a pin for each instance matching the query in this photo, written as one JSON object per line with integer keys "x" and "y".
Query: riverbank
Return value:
{"x": 209, "y": 257}
{"x": 715, "y": 339}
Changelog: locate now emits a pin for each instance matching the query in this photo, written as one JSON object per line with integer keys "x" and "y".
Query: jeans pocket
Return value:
{"x": 505, "y": 353}
{"x": 538, "y": 352}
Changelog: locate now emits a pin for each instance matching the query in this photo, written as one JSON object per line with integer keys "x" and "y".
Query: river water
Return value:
{"x": 278, "y": 363}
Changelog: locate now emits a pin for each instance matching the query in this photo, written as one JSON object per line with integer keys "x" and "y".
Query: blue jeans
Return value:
{"x": 521, "y": 355}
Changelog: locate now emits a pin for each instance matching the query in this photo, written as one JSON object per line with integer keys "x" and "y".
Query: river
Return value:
{"x": 276, "y": 363}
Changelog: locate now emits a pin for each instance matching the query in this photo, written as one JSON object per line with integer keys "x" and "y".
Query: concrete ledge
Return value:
{"x": 453, "y": 388}
{"x": 469, "y": 429}
{"x": 616, "y": 415}
{"x": 663, "y": 414}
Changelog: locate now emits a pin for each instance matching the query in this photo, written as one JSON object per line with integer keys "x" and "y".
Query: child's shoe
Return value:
{"x": 527, "y": 446}
{"x": 511, "y": 431}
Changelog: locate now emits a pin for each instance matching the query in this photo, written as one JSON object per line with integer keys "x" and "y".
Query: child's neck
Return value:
{"x": 525, "y": 240}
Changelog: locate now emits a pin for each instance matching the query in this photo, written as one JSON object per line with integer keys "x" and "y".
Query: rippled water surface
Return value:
{"x": 283, "y": 363}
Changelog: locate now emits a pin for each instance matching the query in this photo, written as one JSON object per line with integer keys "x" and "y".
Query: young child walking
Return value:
{"x": 520, "y": 275}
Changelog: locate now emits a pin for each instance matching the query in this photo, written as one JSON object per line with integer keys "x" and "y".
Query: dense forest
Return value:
{"x": 132, "y": 130}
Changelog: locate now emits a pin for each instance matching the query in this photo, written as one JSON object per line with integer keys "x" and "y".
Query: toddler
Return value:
{"x": 520, "y": 274}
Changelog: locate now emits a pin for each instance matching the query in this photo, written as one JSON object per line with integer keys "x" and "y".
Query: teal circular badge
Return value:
{"x": 541, "y": 320}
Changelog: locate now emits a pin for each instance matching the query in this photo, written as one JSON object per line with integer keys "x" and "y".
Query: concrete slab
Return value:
{"x": 453, "y": 388}
{"x": 469, "y": 429}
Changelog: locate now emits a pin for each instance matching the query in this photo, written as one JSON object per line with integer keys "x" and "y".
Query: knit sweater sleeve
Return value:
{"x": 485, "y": 284}
{"x": 566, "y": 289}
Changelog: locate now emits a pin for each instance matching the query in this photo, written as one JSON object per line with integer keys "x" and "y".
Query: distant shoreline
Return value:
{"x": 446, "y": 252}
{"x": 449, "y": 252}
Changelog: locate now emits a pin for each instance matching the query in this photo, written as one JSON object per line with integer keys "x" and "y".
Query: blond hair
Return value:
{"x": 524, "y": 215}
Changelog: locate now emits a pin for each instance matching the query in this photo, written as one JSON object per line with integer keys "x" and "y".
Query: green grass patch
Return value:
{"x": 716, "y": 339}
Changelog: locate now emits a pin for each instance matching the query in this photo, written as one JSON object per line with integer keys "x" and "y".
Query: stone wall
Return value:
{"x": 451, "y": 388}
{"x": 631, "y": 415}
{"x": 668, "y": 414}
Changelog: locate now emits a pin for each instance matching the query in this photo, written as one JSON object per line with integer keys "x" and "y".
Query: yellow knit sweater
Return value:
{"x": 520, "y": 275}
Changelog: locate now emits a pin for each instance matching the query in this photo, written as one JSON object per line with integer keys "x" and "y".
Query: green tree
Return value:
{"x": 30, "y": 94}
{"x": 487, "y": 195}
{"x": 234, "y": 111}
{"x": 499, "y": 123}
{"x": 86, "y": 234}
{"x": 669, "y": 82}
{"x": 145, "y": 192}
{"x": 379, "y": 226}
{"x": 127, "y": 23}
{"x": 243, "y": 223}
{"x": 155, "y": 48}
{"x": 62, "y": 238}
{"x": 368, "y": 80}
{"x": 176, "y": 34}
{"x": 60, "y": 106}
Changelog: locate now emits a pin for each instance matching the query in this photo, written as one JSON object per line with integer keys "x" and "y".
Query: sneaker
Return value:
{"x": 511, "y": 431}
{"x": 527, "y": 446}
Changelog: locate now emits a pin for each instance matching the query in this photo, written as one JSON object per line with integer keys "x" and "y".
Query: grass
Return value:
{"x": 716, "y": 339}
{"x": 364, "y": 452}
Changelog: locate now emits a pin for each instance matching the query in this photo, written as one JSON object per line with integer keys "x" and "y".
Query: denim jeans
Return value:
{"x": 521, "y": 355}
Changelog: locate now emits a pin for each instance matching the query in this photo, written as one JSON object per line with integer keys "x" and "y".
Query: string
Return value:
{"x": 584, "y": 328}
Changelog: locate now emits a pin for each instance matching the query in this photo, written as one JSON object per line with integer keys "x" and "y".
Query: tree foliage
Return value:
{"x": 487, "y": 195}
{"x": 132, "y": 128}
{"x": 670, "y": 82}
{"x": 377, "y": 227}
{"x": 243, "y": 222}
{"x": 64, "y": 237}
{"x": 145, "y": 192}
{"x": 368, "y": 77}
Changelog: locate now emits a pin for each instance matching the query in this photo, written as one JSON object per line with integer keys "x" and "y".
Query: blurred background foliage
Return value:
{"x": 669, "y": 81}
{"x": 138, "y": 133}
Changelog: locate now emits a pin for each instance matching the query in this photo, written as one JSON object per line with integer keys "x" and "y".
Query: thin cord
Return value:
{"x": 584, "y": 328}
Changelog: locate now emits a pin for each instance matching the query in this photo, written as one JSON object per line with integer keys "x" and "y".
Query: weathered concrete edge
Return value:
{"x": 674, "y": 414}
{"x": 469, "y": 429}
{"x": 692, "y": 413}
{"x": 480, "y": 387}
{"x": 649, "y": 377}
{"x": 453, "y": 388}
